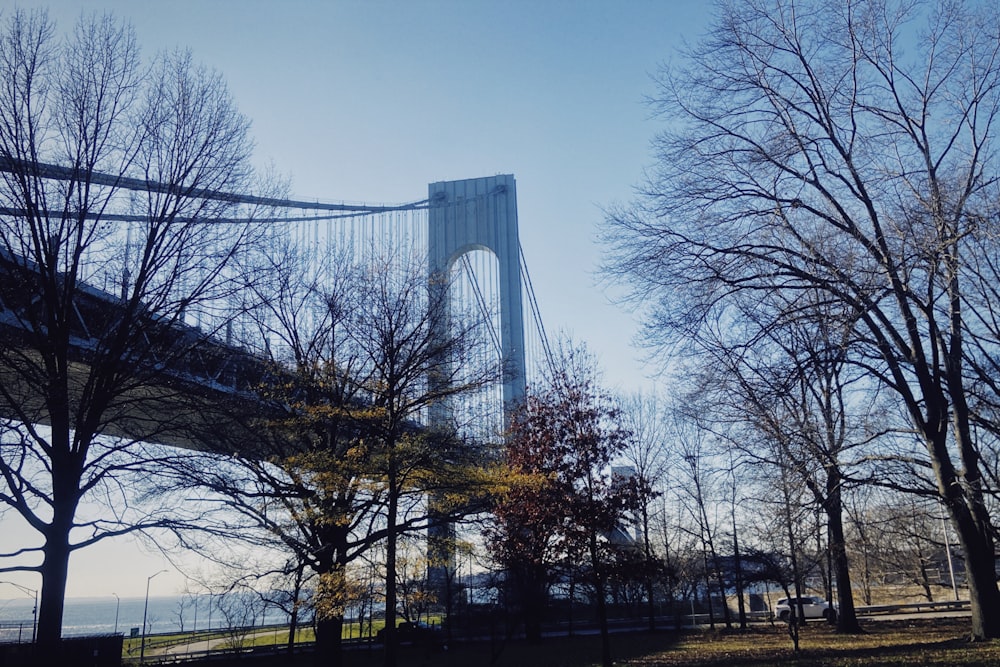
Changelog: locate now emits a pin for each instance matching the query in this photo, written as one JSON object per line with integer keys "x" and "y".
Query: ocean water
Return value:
{"x": 95, "y": 616}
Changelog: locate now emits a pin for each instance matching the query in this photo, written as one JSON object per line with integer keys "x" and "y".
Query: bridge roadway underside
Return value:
{"x": 168, "y": 410}
{"x": 188, "y": 390}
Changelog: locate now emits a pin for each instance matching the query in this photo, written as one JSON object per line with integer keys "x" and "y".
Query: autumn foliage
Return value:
{"x": 563, "y": 509}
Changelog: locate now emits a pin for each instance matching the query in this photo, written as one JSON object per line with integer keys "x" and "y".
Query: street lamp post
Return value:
{"x": 145, "y": 609}
{"x": 947, "y": 550}
{"x": 209, "y": 628}
{"x": 118, "y": 604}
{"x": 34, "y": 611}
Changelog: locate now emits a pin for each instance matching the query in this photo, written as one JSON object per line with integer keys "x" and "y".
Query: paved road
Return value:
{"x": 214, "y": 643}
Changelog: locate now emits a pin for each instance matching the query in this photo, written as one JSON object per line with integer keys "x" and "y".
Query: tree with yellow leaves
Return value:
{"x": 347, "y": 463}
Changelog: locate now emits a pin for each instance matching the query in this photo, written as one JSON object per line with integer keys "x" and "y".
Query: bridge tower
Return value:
{"x": 481, "y": 214}
{"x": 468, "y": 215}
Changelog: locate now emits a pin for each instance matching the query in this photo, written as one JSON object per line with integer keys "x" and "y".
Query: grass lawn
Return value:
{"x": 920, "y": 642}
{"x": 255, "y": 637}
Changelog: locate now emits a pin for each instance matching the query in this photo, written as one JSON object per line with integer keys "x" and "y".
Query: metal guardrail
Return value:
{"x": 17, "y": 631}
{"x": 699, "y": 619}
{"x": 912, "y": 607}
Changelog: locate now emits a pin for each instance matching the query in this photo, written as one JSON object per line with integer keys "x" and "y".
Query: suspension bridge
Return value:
{"x": 466, "y": 231}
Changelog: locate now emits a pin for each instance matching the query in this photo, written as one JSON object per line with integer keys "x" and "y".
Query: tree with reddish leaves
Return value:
{"x": 562, "y": 503}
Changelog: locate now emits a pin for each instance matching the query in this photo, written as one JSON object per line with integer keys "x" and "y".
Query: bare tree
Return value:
{"x": 809, "y": 152}
{"x": 288, "y": 592}
{"x": 104, "y": 170}
{"x": 645, "y": 419}
{"x": 239, "y": 607}
{"x": 909, "y": 549}
{"x": 344, "y": 462}
{"x": 794, "y": 383}
{"x": 702, "y": 495}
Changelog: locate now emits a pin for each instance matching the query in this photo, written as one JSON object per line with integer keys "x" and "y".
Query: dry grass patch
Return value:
{"x": 918, "y": 642}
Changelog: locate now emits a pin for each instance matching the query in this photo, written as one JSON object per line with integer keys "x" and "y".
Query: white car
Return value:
{"x": 808, "y": 606}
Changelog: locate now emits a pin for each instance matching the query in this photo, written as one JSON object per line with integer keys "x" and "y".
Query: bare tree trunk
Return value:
{"x": 293, "y": 616}
{"x": 55, "y": 568}
{"x": 980, "y": 566}
{"x": 601, "y": 595}
{"x": 795, "y": 613}
{"x": 647, "y": 548}
{"x": 329, "y": 640}
{"x": 737, "y": 564}
{"x": 708, "y": 585}
{"x": 391, "y": 646}
{"x": 56, "y": 550}
{"x": 847, "y": 619}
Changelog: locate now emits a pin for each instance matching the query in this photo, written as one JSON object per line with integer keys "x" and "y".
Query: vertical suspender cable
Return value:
{"x": 535, "y": 313}
{"x": 481, "y": 301}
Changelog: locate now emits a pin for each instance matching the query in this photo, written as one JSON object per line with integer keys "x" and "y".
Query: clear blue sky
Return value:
{"x": 372, "y": 100}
